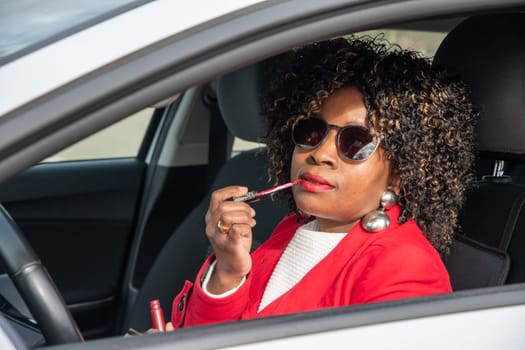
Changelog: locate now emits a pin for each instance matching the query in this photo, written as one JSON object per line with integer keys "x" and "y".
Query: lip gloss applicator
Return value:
{"x": 254, "y": 196}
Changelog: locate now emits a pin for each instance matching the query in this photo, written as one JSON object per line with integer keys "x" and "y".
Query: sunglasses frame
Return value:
{"x": 339, "y": 129}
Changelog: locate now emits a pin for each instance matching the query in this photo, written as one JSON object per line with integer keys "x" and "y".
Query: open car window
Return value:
{"x": 100, "y": 227}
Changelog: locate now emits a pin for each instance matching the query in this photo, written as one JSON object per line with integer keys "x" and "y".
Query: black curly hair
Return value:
{"x": 424, "y": 115}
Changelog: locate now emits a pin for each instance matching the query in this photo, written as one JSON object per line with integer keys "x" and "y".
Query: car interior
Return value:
{"x": 483, "y": 253}
{"x": 148, "y": 211}
{"x": 493, "y": 212}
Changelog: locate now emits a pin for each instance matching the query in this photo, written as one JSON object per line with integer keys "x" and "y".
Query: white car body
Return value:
{"x": 46, "y": 86}
{"x": 39, "y": 72}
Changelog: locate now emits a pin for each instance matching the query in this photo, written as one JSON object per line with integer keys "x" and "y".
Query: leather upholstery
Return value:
{"x": 488, "y": 54}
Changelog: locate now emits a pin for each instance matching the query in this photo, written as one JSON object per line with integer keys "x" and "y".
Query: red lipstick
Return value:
{"x": 315, "y": 183}
{"x": 254, "y": 196}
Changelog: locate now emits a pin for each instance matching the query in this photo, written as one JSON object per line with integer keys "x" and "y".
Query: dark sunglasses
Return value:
{"x": 354, "y": 142}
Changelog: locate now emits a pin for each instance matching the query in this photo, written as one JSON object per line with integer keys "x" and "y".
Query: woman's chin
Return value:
{"x": 309, "y": 210}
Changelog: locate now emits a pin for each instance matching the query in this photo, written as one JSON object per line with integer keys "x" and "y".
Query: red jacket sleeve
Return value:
{"x": 400, "y": 271}
{"x": 192, "y": 307}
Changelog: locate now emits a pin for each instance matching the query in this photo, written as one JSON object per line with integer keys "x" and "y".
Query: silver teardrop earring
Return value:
{"x": 377, "y": 220}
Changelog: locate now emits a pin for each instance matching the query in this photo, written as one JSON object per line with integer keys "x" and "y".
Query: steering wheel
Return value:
{"x": 35, "y": 285}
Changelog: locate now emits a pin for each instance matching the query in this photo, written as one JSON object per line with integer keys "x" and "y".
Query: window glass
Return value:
{"x": 26, "y": 22}
{"x": 240, "y": 145}
{"x": 122, "y": 139}
{"x": 423, "y": 41}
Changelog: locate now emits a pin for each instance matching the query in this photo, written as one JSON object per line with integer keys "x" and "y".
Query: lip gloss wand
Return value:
{"x": 254, "y": 196}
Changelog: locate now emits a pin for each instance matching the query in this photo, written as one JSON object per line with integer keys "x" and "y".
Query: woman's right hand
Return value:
{"x": 229, "y": 230}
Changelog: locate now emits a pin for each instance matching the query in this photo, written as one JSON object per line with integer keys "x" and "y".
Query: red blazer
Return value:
{"x": 398, "y": 262}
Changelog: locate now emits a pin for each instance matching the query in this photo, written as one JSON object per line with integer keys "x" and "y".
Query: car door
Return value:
{"x": 80, "y": 206}
{"x": 98, "y": 212}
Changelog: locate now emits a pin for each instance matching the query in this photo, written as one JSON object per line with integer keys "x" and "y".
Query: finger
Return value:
{"x": 240, "y": 237}
{"x": 226, "y": 219}
{"x": 238, "y": 216}
{"x": 230, "y": 234}
{"x": 228, "y": 213}
{"x": 221, "y": 195}
{"x": 225, "y": 193}
{"x": 240, "y": 232}
{"x": 236, "y": 241}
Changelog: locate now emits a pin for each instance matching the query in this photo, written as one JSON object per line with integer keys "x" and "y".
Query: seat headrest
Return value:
{"x": 488, "y": 53}
{"x": 238, "y": 99}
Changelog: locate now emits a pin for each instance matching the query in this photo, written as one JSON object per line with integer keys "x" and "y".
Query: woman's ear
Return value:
{"x": 395, "y": 185}
{"x": 394, "y": 182}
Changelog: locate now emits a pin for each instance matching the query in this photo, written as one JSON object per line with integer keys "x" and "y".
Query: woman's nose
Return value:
{"x": 326, "y": 152}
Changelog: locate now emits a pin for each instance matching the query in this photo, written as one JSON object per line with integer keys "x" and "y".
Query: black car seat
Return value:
{"x": 187, "y": 248}
{"x": 488, "y": 53}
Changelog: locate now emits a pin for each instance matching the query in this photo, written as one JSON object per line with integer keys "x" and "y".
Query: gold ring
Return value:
{"x": 221, "y": 227}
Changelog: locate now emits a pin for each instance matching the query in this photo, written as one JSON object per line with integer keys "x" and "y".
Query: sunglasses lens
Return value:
{"x": 356, "y": 143}
{"x": 308, "y": 133}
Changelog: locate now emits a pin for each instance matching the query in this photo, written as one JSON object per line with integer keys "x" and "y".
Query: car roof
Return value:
{"x": 29, "y": 24}
{"x": 100, "y": 43}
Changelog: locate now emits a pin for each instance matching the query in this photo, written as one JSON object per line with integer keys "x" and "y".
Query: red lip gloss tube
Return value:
{"x": 157, "y": 316}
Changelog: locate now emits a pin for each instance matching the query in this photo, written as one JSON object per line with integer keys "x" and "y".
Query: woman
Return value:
{"x": 382, "y": 145}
